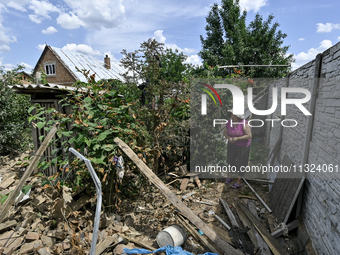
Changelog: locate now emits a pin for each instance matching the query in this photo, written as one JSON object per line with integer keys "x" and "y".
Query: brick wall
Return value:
{"x": 321, "y": 200}
{"x": 62, "y": 76}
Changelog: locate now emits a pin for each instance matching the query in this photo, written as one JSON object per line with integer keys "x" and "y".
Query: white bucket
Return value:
{"x": 173, "y": 235}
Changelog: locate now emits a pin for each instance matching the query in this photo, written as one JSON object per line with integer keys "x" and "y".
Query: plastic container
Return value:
{"x": 173, "y": 235}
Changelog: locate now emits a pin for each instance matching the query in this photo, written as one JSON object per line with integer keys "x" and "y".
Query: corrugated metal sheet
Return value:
{"x": 74, "y": 59}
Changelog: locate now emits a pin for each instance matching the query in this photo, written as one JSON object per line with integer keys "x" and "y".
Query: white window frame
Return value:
{"x": 50, "y": 69}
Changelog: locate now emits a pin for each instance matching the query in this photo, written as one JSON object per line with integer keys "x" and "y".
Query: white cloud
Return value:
{"x": 41, "y": 10}
{"x": 301, "y": 39}
{"x": 339, "y": 38}
{"x": 326, "y": 28}
{"x": 193, "y": 59}
{"x": 81, "y": 48}
{"x": 252, "y": 5}
{"x": 69, "y": 21}
{"x": 49, "y": 30}
{"x": 28, "y": 68}
{"x": 158, "y": 36}
{"x": 302, "y": 58}
{"x": 41, "y": 47}
{"x": 5, "y": 39}
{"x": 17, "y": 6}
{"x": 95, "y": 14}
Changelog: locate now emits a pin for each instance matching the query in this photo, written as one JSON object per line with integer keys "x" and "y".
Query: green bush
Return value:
{"x": 14, "y": 128}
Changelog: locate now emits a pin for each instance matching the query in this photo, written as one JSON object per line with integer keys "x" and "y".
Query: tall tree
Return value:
{"x": 230, "y": 42}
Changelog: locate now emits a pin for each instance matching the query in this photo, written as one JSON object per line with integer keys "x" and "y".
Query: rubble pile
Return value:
{"x": 53, "y": 220}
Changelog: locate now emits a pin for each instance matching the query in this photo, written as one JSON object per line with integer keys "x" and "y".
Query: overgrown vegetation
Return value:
{"x": 14, "y": 129}
{"x": 156, "y": 127}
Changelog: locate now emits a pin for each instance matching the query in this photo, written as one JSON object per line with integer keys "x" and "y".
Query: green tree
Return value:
{"x": 14, "y": 128}
{"x": 230, "y": 42}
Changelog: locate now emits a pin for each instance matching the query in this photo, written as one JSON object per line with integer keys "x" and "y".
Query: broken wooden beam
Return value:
{"x": 101, "y": 247}
{"x": 271, "y": 224}
{"x": 184, "y": 184}
{"x": 225, "y": 246}
{"x": 273, "y": 244}
{"x": 11, "y": 199}
{"x": 257, "y": 195}
{"x": 279, "y": 232}
{"x": 195, "y": 234}
{"x": 231, "y": 216}
{"x": 224, "y": 234}
{"x": 150, "y": 248}
{"x": 198, "y": 182}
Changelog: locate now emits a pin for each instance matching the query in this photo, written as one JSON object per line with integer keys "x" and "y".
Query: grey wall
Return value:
{"x": 321, "y": 200}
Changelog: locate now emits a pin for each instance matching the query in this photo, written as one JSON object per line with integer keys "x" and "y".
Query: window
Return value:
{"x": 50, "y": 69}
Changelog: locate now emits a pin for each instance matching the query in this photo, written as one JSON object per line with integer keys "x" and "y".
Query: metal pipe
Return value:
{"x": 99, "y": 198}
{"x": 265, "y": 205}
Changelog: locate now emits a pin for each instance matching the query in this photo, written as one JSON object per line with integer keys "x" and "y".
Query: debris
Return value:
{"x": 252, "y": 208}
{"x": 138, "y": 243}
{"x": 184, "y": 184}
{"x": 168, "y": 249}
{"x": 6, "y": 183}
{"x": 224, "y": 234}
{"x": 101, "y": 247}
{"x": 173, "y": 235}
{"x": 7, "y": 225}
{"x": 211, "y": 212}
{"x": 28, "y": 171}
{"x": 283, "y": 229}
{"x": 195, "y": 234}
{"x": 229, "y": 212}
{"x": 273, "y": 244}
{"x": 198, "y": 182}
{"x": 257, "y": 195}
{"x": 270, "y": 223}
{"x": 175, "y": 200}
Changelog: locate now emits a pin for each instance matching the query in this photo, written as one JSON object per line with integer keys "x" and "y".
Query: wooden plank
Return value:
{"x": 273, "y": 244}
{"x": 231, "y": 216}
{"x": 6, "y": 183}
{"x": 247, "y": 223}
{"x": 252, "y": 208}
{"x": 100, "y": 248}
{"x": 194, "y": 219}
{"x": 197, "y": 236}
{"x": 270, "y": 223}
{"x": 248, "y": 197}
{"x": 290, "y": 226}
{"x": 150, "y": 248}
{"x": 224, "y": 234}
{"x": 184, "y": 184}
{"x": 7, "y": 225}
{"x": 198, "y": 182}
{"x": 29, "y": 170}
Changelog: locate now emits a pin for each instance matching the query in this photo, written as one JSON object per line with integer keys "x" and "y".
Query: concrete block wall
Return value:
{"x": 321, "y": 200}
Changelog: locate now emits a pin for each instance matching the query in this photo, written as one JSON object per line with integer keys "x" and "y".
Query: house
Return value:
{"x": 25, "y": 78}
{"x": 60, "y": 67}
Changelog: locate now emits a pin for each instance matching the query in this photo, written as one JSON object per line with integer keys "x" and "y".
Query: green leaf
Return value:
{"x": 88, "y": 100}
{"x": 67, "y": 134}
{"x": 96, "y": 147}
{"x": 25, "y": 189}
{"x": 41, "y": 124}
{"x": 103, "y": 135}
{"x": 4, "y": 198}
{"x": 108, "y": 147}
{"x": 31, "y": 109}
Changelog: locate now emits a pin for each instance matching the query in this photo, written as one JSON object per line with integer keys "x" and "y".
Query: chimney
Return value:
{"x": 107, "y": 62}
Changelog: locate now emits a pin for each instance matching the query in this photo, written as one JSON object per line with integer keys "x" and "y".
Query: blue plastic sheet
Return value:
{"x": 169, "y": 250}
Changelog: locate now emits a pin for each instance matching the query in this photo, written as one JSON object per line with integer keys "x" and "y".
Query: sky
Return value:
{"x": 105, "y": 27}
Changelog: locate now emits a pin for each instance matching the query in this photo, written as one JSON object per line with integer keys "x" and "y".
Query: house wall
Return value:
{"x": 62, "y": 76}
{"x": 321, "y": 200}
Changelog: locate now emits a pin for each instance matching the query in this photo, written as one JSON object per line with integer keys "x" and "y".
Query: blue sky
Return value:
{"x": 100, "y": 27}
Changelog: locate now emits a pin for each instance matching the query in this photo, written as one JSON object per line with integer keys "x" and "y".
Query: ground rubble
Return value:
{"x": 53, "y": 220}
